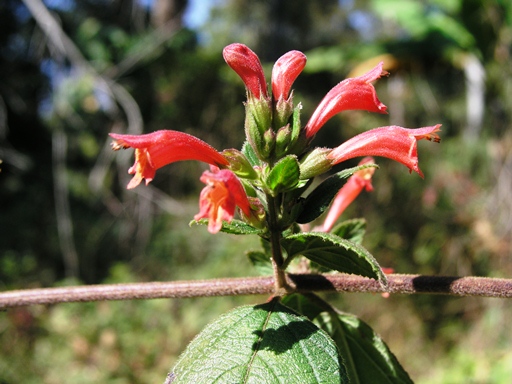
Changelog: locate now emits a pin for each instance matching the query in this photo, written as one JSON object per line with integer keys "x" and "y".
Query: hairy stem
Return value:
{"x": 397, "y": 284}
{"x": 281, "y": 284}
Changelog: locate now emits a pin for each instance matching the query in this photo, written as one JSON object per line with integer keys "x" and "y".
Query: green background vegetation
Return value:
{"x": 66, "y": 218}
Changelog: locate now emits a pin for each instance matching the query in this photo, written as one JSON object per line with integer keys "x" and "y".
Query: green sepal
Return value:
{"x": 333, "y": 252}
{"x": 298, "y": 141}
{"x": 315, "y": 163}
{"x": 239, "y": 164}
{"x": 248, "y": 151}
{"x": 267, "y": 343}
{"x": 254, "y": 135}
{"x": 321, "y": 197}
{"x": 284, "y": 175}
{"x": 269, "y": 141}
{"x": 352, "y": 230}
{"x": 261, "y": 111}
{"x": 283, "y": 111}
{"x": 296, "y": 127}
{"x": 235, "y": 227}
{"x": 282, "y": 141}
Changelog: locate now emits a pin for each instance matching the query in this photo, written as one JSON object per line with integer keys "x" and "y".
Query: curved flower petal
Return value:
{"x": 351, "y": 189}
{"x": 248, "y": 66}
{"x": 393, "y": 142}
{"x": 219, "y": 199}
{"x": 285, "y": 71}
{"x": 355, "y": 93}
{"x": 156, "y": 149}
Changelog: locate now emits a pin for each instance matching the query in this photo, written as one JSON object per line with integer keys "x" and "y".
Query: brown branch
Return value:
{"x": 403, "y": 284}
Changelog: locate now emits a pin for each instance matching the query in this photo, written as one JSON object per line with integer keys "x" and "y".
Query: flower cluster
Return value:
{"x": 278, "y": 161}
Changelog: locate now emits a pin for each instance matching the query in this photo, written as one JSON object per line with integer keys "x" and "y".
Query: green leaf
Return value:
{"x": 235, "y": 227}
{"x": 266, "y": 343}
{"x": 321, "y": 197}
{"x": 284, "y": 175}
{"x": 333, "y": 252}
{"x": 303, "y": 305}
{"x": 352, "y": 230}
{"x": 261, "y": 261}
{"x": 367, "y": 357}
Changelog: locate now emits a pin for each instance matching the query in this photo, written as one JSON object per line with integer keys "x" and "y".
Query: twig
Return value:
{"x": 403, "y": 284}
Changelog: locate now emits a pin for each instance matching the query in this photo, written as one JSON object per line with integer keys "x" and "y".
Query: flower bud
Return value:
{"x": 285, "y": 71}
{"x": 283, "y": 109}
{"x": 261, "y": 110}
{"x": 283, "y": 137}
{"x": 258, "y": 119}
{"x": 239, "y": 164}
{"x": 257, "y": 216}
{"x": 315, "y": 163}
{"x": 269, "y": 138}
{"x": 248, "y": 66}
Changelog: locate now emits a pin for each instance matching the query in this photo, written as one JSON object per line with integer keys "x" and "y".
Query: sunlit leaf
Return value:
{"x": 235, "y": 227}
{"x": 266, "y": 343}
{"x": 367, "y": 357}
{"x": 284, "y": 175}
{"x": 333, "y": 252}
{"x": 352, "y": 230}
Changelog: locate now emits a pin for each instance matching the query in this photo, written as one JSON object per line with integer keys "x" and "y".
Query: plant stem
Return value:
{"x": 281, "y": 284}
{"x": 262, "y": 285}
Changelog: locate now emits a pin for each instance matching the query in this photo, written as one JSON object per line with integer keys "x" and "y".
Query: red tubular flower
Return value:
{"x": 351, "y": 94}
{"x": 393, "y": 142}
{"x": 154, "y": 150}
{"x": 355, "y": 184}
{"x": 285, "y": 71}
{"x": 248, "y": 66}
{"x": 219, "y": 199}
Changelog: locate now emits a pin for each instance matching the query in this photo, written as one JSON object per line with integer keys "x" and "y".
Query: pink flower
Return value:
{"x": 355, "y": 184}
{"x": 154, "y": 150}
{"x": 248, "y": 66}
{"x": 285, "y": 71}
{"x": 219, "y": 199}
{"x": 351, "y": 94}
{"x": 396, "y": 143}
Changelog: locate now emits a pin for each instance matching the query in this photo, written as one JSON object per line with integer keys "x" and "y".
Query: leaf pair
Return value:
{"x": 270, "y": 343}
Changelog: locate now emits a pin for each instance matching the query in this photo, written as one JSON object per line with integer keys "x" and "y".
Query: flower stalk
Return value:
{"x": 265, "y": 182}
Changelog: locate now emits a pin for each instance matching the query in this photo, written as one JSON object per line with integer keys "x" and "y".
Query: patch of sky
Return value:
{"x": 146, "y": 4}
{"x": 21, "y": 12}
{"x": 197, "y": 12}
{"x": 362, "y": 22}
{"x": 346, "y": 4}
{"x": 60, "y": 5}
{"x": 195, "y": 16}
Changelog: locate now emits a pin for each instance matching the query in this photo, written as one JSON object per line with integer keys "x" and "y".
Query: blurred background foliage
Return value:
{"x": 72, "y": 71}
